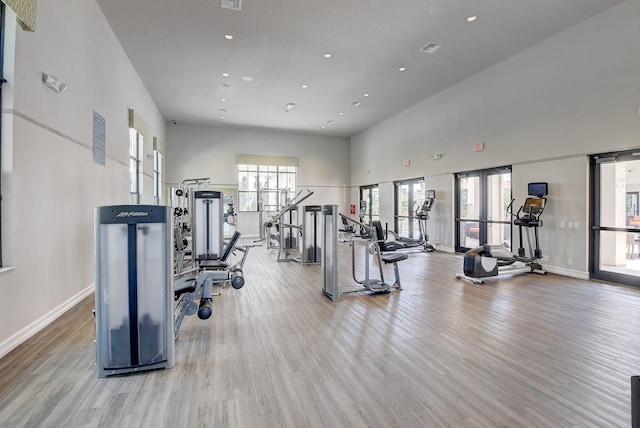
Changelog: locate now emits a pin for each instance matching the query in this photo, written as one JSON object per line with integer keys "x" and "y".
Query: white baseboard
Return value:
{"x": 20, "y": 337}
{"x": 567, "y": 272}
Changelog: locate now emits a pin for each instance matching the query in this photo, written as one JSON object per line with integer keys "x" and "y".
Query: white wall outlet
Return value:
{"x": 570, "y": 262}
{"x": 569, "y": 224}
{"x": 561, "y": 224}
{"x": 576, "y": 225}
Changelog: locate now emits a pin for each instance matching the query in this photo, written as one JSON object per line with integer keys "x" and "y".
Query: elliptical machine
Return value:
{"x": 486, "y": 261}
{"x": 422, "y": 214}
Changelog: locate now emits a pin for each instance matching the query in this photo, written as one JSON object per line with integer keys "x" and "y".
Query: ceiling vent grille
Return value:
{"x": 355, "y": 104}
{"x": 431, "y": 47}
{"x": 231, "y": 4}
{"x": 225, "y": 86}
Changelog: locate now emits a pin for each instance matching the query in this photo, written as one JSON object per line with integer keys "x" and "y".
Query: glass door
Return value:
{"x": 482, "y": 198}
{"x": 370, "y": 196}
{"x": 409, "y": 196}
{"x": 615, "y": 231}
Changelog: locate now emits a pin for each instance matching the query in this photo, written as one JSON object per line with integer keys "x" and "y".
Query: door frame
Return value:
{"x": 595, "y": 191}
{"x": 410, "y": 217}
{"x": 483, "y": 221}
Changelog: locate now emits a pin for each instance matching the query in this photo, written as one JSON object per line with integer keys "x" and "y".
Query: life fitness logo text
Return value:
{"x": 133, "y": 214}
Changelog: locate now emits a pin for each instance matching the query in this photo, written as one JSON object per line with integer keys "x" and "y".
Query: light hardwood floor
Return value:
{"x": 527, "y": 351}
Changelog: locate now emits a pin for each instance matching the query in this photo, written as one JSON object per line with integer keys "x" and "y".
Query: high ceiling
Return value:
{"x": 180, "y": 51}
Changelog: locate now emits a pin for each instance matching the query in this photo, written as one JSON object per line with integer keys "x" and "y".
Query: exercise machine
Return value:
{"x": 493, "y": 260}
{"x": 194, "y": 289}
{"x": 182, "y": 217}
{"x": 310, "y": 248}
{"x": 211, "y": 266}
{"x": 272, "y": 227}
{"x": 134, "y": 289}
{"x": 422, "y": 215}
{"x": 299, "y": 242}
{"x": 370, "y": 245}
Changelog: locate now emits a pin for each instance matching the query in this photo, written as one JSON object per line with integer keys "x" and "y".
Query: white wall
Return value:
{"x": 201, "y": 151}
{"x": 50, "y": 184}
{"x": 542, "y": 111}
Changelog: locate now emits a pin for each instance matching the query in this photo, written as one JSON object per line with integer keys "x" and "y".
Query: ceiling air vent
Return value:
{"x": 355, "y": 104}
{"x": 225, "y": 86}
{"x": 431, "y": 47}
{"x": 231, "y": 4}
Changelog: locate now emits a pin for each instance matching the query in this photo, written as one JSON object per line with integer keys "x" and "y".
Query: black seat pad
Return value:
{"x": 213, "y": 264}
{"x": 393, "y": 258}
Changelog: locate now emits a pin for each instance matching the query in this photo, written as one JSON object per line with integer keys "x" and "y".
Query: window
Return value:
{"x": 265, "y": 187}
{"x": 158, "y": 159}
{"x": 135, "y": 165}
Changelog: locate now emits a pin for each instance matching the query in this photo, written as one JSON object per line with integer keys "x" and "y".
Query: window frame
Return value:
{"x": 2, "y": 81}
{"x": 135, "y": 158}
{"x": 259, "y": 189}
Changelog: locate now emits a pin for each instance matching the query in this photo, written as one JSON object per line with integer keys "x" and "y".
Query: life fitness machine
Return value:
{"x": 486, "y": 261}
{"x": 134, "y": 289}
{"x": 211, "y": 266}
{"x": 330, "y": 286}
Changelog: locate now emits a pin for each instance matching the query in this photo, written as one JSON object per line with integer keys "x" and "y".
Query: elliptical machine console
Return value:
{"x": 486, "y": 261}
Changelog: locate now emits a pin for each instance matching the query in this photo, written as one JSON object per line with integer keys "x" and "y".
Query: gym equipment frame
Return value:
{"x": 330, "y": 285}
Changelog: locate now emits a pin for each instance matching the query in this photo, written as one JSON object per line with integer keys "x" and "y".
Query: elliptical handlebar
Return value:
{"x": 510, "y": 208}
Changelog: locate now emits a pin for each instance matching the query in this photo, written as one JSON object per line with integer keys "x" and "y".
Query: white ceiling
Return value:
{"x": 180, "y": 52}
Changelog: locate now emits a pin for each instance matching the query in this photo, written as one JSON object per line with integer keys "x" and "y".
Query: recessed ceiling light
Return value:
{"x": 228, "y": 36}
{"x": 224, "y": 100}
{"x": 366, "y": 95}
{"x": 340, "y": 114}
{"x": 402, "y": 69}
{"x": 472, "y": 18}
{"x": 247, "y": 78}
{"x": 225, "y": 74}
{"x": 305, "y": 86}
{"x": 323, "y": 127}
{"x": 221, "y": 117}
{"x": 327, "y": 55}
